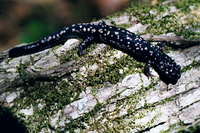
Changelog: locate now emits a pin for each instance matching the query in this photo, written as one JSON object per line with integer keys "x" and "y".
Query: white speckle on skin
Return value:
{"x": 63, "y": 31}
{"x": 93, "y": 30}
{"x": 129, "y": 38}
{"x": 49, "y": 38}
{"x": 84, "y": 29}
{"x": 116, "y": 33}
{"x": 101, "y": 30}
{"x": 73, "y": 30}
{"x": 151, "y": 53}
{"x": 118, "y": 37}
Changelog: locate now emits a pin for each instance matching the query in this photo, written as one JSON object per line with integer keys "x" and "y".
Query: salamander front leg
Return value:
{"x": 147, "y": 69}
{"x": 83, "y": 45}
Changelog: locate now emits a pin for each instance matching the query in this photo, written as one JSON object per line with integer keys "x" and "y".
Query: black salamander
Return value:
{"x": 116, "y": 37}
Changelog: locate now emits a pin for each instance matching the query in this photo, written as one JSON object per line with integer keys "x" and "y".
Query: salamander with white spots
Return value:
{"x": 116, "y": 37}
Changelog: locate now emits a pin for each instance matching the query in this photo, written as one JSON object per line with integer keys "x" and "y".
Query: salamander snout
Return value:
{"x": 168, "y": 70}
{"x": 174, "y": 72}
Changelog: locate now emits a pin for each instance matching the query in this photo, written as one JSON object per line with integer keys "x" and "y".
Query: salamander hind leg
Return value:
{"x": 147, "y": 69}
{"x": 83, "y": 45}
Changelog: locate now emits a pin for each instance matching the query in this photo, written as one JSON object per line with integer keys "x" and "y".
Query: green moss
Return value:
{"x": 8, "y": 60}
{"x": 190, "y": 66}
{"x": 21, "y": 69}
{"x": 50, "y": 96}
{"x": 182, "y": 128}
{"x": 4, "y": 71}
{"x": 109, "y": 73}
{"x": 158, "y": 23}
{"x": 72, "y": 55}
{"x": 192, "y": 129}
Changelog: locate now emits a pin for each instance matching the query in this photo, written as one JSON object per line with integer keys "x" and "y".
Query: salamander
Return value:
{"x": 116, "y": 37}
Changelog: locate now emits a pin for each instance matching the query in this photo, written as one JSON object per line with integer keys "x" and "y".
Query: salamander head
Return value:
{"x": 168, "y": 70}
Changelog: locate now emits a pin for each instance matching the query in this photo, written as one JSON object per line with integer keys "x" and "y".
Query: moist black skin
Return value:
{"x": 116, "y": 37}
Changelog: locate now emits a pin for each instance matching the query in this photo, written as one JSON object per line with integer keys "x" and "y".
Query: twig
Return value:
{"x": 46, "y": 75}
{"x": 183, "y": 43}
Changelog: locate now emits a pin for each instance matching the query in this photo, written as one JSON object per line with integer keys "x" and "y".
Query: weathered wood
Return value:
{"x": 103, "y": 92}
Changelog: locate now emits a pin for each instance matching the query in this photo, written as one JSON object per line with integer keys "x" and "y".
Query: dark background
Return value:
{"x": 29, "y": 20}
